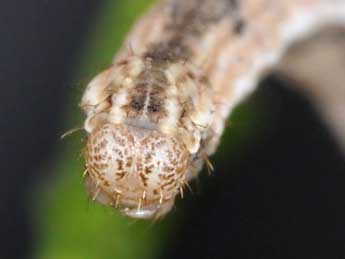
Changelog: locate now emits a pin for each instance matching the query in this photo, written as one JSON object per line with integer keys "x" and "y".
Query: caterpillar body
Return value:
{"x": 156, "y": 114}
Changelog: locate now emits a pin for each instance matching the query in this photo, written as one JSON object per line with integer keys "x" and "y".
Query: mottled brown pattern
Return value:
{"x": 152, "y": 152}
{"x": 191, "y": 19}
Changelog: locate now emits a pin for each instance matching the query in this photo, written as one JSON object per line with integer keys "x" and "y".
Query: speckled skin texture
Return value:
{"x": 156, "y": 114}
{"x": 136, "y": 165}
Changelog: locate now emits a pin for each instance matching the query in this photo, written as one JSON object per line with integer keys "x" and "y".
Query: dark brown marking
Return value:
{"x": 123, "y": 62}
{"x": 191, "y": 75}
{"x": 137, "y": 104}
{"x": 129, "y": 162}
{"x": 170, "y": 51}
{"x": 120, "y": 165}
{"x": 120, "y": 175}
{"x": 137, "y": 101}
{"x": 239, "y": 26}
{"x": 143, "y": 179}
{"x": 155, "y": 105}
{"x": 148, "y": 170}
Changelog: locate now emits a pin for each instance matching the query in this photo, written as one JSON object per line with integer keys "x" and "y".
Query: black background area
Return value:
{"x": 283, "y": 199}
{"x": 39, "y": 44}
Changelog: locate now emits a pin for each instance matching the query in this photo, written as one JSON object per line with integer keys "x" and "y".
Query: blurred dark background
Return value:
{"x": 283, "y": 197}
{"x": 39, "y": 45}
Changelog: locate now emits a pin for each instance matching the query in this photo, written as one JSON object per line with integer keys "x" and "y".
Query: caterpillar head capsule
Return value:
{"x": 136, "y": 169}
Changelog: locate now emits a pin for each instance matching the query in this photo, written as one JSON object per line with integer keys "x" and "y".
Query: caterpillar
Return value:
{"x": 156, "y": 114}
